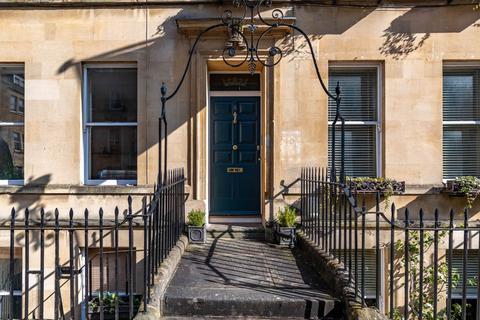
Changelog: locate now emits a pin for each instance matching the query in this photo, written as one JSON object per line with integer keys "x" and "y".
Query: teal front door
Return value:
{"x": 235, "y": 156}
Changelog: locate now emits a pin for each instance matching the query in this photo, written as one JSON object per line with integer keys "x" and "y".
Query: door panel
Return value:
{"x": 234, "y": 154}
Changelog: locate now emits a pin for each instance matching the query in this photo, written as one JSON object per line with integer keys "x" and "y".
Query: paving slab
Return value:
{"x": 232, "y": 276}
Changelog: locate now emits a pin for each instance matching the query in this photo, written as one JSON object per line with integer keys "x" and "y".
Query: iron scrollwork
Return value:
{"x": 242, "y": 43}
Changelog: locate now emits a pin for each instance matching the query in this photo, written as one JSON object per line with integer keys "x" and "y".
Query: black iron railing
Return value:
{"x": 95, "y": 267}
{"x": 409, "y": 265}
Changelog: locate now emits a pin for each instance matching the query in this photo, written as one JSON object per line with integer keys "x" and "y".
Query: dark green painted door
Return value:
{"x": 234, "y": 156}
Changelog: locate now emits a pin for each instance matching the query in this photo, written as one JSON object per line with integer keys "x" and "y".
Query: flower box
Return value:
{"x": 454, "y": 187}
{"x": 375, "y": 185}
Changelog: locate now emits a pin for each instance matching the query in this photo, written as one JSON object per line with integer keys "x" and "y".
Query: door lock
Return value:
{"x": 235, "y": 147}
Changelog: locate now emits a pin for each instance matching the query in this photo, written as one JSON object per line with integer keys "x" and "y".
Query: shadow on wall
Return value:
{"x": 409, "y": 32}
{"x": 20, "y": 200}
{"x": 326, "y": 21}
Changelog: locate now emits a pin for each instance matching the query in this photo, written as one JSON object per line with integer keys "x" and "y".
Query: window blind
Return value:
{"x": 109, "y": 280}
{"x": 461, "y": 88}
{"x": 359, "y": 87}
{"x": 370, "y": 271}
{"x": 360, "y": 150}
{"x": 472, "y": 271}
{"x": 358, "y": 92}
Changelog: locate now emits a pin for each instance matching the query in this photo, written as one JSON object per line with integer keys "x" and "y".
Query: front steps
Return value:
{"x": 237, "y": 275}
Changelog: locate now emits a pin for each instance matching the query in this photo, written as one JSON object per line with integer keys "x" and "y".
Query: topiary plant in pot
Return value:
{"x": 285, "y": 226}
{"x": 196, "y": 226}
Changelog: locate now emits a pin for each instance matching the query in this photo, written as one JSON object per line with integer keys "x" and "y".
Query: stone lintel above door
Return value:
{"x": 192, "y": 27}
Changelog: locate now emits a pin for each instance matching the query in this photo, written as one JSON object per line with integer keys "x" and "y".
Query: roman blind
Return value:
{"x": 359, "y": 107}
{"x": 461, "y": 119}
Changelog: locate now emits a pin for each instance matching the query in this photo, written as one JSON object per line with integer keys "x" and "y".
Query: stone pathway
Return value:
{"x": 232, "y": 276}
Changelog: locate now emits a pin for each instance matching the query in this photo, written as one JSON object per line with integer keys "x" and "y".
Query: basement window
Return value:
{"x": 6, "y": 283}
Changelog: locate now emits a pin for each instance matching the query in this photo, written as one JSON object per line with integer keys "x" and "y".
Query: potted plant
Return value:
{"x": 467, "y": 186}
{"x": 196, "y": 226}
{"x": 285, "y": 231}
{"x": 109, "y": 301}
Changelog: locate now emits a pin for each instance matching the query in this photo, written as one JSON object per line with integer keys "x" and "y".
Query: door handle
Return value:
{"x": 235, "y": 117}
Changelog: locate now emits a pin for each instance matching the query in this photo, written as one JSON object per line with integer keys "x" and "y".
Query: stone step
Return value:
{"x": 232, "y": 278}
{"x": 245, "y": 231}
{"x": 257, "y": 306}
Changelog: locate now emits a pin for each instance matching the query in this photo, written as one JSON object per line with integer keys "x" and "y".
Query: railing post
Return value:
{"x": 406, "y": 254}
{"x": 130, "y": 258}
{"x": 57, "y": 272}
{"x": 435, "y": 264}
{"x": 364, "y": 213}
{"x": 449, "y": 266}
{"x": 378, "y": 262}
{"x": 87, "y": 264}
{"x": 465, "y": 262}
{"x": 116, "y": 261}
{"x": 12, "y": 262}
{"x": 27, "y": 262}
{"x": 100, "y": 232}
{"x": 42, "y": 263}
{"x": 422, "y": 242}
{"x": 145, "y": 254}
{"x": 392, "y": 260}
{"x": 71, "y": 266}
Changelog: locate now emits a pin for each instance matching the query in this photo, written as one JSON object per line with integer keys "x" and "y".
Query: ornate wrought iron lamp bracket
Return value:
{"x": 244, "y": 48}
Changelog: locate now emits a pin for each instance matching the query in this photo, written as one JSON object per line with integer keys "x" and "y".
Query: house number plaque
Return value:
{"x": 234, "y": 170}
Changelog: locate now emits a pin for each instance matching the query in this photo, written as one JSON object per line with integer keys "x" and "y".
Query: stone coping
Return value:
{"x": 165, "y": 274}
{"x": 333, "y": 273}
{"x": 76, "y": 190}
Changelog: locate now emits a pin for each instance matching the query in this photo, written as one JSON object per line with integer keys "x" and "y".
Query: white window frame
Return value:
{"x": 15, "y": 182}
{"x": 378, "y": 123}
{"x": 459, "y": 65}
{"x": 87, "y": 124}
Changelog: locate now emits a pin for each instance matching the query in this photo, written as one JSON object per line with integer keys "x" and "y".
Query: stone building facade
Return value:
{"x": 87, "y": 78}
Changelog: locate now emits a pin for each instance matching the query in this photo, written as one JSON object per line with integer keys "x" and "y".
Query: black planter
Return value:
{"x": 197, "y": 234}
{"x": 286, "y": 236}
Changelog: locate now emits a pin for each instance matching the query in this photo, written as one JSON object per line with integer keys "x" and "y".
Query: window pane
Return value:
{"x": 5, "y": 285}
{"x": 358, "y": 92}
{"x": 113, "y": 153}
{"x": 460, "y": 95}
{"x": 11, "y": 91}
{"x": 360, "y": 151}
{"x": 11, "y": 152}
{"x": 461, "y": 147}
{"x": 113, "y": 94}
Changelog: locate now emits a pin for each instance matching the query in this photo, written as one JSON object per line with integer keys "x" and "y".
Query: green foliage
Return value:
{"x": 287, "y": 216}
{"x": 427, "y": 291}
{"x": 196, "y": 218}
{"x": 109, "y": 299}
{"x": 385, "y": 185}
{"x": 468, "y": 186}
